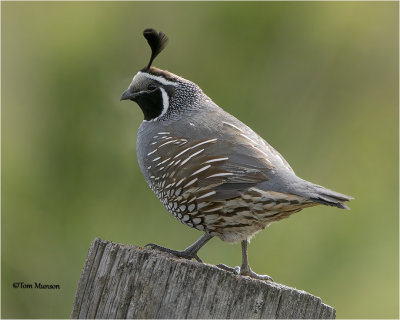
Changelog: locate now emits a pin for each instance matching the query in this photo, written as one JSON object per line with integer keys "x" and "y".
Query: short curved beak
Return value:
{"x": 129, "y": 95}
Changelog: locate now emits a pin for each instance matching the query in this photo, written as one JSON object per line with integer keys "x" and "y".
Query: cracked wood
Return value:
{"x": 126, "y": 282}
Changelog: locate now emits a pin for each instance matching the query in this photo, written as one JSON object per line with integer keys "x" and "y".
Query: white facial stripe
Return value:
{"x": 165, "y": 102}
{"x": 159, "y": 79}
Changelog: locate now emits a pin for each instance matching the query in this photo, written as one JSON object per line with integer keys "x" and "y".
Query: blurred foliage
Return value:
{"x": 318, "y": 80}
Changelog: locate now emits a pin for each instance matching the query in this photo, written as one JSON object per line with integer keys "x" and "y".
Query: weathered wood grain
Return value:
{"x": 120, "y": 281}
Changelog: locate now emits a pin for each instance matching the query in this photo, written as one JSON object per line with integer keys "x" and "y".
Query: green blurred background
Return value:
{"x": 318, "y": 80}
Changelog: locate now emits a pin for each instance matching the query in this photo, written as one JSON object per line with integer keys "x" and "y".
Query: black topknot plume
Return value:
{"x": 157, "y": 42}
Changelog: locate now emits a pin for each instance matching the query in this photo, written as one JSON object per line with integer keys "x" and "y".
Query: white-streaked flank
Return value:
{"x": 191, "y": 200}
{"x": 191, "y": 156}
{"x": 165, "y": 143}
{"x": 179, "y": 182}
{"x": 222, "y": 174}
{"x": 201, "y": 170}
{"x": 233, "y": 126}
{"x": 216, "y": 160}
{"x": 195, "y": 146}
{"x": 182, "y": 152}
{"x": 162, "y": 162}
{"x": 204, "y": 142}
{"x": 213, "y": 209}
{"x": 150, "y": 153}
{"x": 207, "y": 194}
{"x": 251, "y": 140}
{"x": 190, "y": 183}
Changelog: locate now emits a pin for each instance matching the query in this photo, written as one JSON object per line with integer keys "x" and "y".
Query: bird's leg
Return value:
{"x": 190, "y": 252}
{"x": 245, "y": 269}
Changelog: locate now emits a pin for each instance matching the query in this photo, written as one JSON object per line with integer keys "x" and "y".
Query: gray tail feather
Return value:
{"x": 329, "y": 197}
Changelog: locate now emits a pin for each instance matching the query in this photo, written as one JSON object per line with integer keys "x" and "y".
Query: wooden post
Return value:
{"x": 121, "y": 281}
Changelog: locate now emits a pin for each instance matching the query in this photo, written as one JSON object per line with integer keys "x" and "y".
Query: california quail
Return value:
{"x": 211, "y": 171}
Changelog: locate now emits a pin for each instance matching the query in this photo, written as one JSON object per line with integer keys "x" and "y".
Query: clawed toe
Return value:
{"x": 245, "y": 272}
{"x": 159, "y": 248}
{"x": 251, "y": 274}
{"x": 235, "y": 270}
{"x": 186, "y": 254}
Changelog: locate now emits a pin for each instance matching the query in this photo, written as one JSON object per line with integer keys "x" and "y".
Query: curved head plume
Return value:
{"x": 157, "y": 42}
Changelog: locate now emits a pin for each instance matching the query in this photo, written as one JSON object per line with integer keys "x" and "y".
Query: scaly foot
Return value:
{"x": 235, "y": 270}
{"x": 250, "y": 273}
{"x": 186, "y": 254}
{"x": 245, "y": 272}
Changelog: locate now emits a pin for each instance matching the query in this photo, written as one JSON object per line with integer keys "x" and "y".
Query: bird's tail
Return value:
{"x": 325, "y": 196}
{"x": 330, "y": 197}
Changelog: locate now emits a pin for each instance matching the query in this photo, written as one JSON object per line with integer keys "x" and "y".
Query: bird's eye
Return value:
{"x": 151, "y": 87}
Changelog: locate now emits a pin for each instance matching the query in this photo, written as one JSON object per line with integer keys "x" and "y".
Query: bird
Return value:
{"x": 209, "y": 170}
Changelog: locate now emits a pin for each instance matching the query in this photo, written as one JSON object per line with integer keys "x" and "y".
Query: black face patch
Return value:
{"x": 151, "y": 103}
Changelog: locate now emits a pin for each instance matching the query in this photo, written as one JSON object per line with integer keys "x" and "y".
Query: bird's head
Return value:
{"x": 159, "y": 93}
